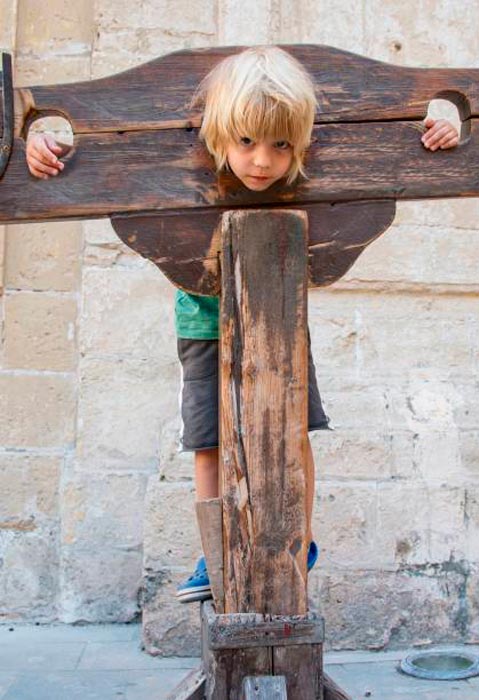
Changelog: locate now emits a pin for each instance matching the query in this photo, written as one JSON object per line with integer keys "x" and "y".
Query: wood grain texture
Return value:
{"x": 264, "y": 410}
{"x": 302, "y": 667}
{"x": 225, "y": 668}
{"x": 209, "y": 514}
{"x": 192, "y": 687}
{"x": 157, "y": 94}
{"x": 332, "y": 691}
{"x": 186, "y": 245}
{"x": 108, "y": 174}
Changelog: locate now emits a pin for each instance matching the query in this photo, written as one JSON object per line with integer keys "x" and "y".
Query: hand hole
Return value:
{"x": 59, "y": 128}
{"x": 454, "y": 107}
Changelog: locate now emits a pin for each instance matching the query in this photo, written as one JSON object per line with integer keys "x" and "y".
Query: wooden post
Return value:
{"x": 263, "y": 402}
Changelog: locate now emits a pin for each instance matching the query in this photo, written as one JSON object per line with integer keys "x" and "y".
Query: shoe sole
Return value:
{"x": 189, "y": 596}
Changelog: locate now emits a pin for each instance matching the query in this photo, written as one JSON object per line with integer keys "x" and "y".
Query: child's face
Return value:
{"x": 258, "y": 164}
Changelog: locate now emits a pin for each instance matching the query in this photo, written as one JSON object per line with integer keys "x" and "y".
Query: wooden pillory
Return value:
{"x": 136, "y": 158}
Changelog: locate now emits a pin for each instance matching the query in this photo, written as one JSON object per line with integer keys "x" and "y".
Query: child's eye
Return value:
{"x": 245, "y": 141}
{"x": 282, "y": 145}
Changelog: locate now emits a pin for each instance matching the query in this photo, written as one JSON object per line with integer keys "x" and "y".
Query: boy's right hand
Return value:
{"x": 42, "y": 156}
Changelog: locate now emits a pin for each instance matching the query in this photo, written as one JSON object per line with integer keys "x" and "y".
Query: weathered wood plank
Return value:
{"x": 242, "y": 630}
{"x": 264, "y": 688}
{"x": 332, "y": 691}
{"x": 139, "y": 171}
{"x": 210, "y": 521}
{"x": 192, "y": 687}
{"x": 186, "y": 245}
{"x": 157, "y": 94}
{"x": 264, "y": 410}
{"x": 302, "y": 667}
{"x": 226, "y": 668}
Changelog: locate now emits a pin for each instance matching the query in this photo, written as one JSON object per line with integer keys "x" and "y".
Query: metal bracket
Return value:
{"x": 6, "y": 143}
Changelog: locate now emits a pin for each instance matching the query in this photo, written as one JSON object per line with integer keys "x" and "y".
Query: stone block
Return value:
{"x": 440, "y": 256}
{"x": 471, "y": 603}
{"x": 419, "y": 524}
{"x": 471, "y": 522}
{"x": 345, "y": 522}
{"x": 103, "y": 248}
{"x": 44, "y": 257}
{"x": 169, "y": 628}
{"x": 319, "y": 22}
{"x": 382, "y": 610}
{"x": 40, "y": 332}
{"x": 105, "y": 511}
{"x": 370, "y": 334}
{"x": 39, "y": 410}
{"x": 434, "y": 38}
{"x": 29, "y": 582}
{"x": 99, "y": 585}
{"x": 359, "y": 454}
{"x": 458, "y": 214}
{"x": 29, "y": 490}
{"x": 69, "y": 30}
{"x": 2, "y": 257}
{"x": 121, "y": 404}
{"x": 469, "y": 453}
{"x": 150, "y": 30}
{"x": 171, "y": 535}
{"x": 127, "y": 312}
{"x": 8, "y": 25}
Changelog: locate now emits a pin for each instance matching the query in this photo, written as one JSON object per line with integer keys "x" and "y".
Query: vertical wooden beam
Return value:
{"x": 209, "y": 514}
{"x": 264, "y": 410}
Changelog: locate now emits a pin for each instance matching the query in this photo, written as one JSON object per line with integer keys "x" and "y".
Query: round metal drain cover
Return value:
{"x": 441, "y": 665}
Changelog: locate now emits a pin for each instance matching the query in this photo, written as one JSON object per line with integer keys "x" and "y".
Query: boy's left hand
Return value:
{"x": 440, "y": 133}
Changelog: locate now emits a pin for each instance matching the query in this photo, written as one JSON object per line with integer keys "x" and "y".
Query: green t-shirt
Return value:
{"x": 196, "y": 317}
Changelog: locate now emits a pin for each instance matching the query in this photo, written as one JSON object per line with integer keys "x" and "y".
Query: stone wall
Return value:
{"x": 96, "y": 504}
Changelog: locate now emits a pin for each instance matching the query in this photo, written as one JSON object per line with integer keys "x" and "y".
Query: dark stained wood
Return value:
{"x": 293, "y": 654}
{"x": 226, "y": 668}
{"x": 332, "y": 691}
{"x": 186, "y": 245}
{"x": 110, "y": 174}
{"x": 156, "y": 95}
{"x": 263, "y": 401}
{"x": 6, "y": 106}
{"x": 265, "y": 688}
{"x": 302, "y": 667}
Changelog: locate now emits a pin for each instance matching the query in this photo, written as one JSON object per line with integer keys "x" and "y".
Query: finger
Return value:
{"x": 432, "y": 140}
{"x": 450, "y": 143}
{"x": 43, "y": 155}
{"x": 41, "y": 166}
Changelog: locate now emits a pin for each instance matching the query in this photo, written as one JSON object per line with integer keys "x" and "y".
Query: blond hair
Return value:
{"x": 260, "y": 92}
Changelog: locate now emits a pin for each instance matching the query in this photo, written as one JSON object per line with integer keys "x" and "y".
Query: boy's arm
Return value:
{"x": 42, "y": 156}
{"x": 440, "y": 133}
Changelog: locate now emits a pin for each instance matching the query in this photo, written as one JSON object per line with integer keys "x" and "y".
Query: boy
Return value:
{"x": 259, "y": 108}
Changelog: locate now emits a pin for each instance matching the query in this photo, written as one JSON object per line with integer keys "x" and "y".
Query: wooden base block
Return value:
{"x": 239, "y": 645}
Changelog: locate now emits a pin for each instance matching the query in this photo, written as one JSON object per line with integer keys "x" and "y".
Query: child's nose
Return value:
{"x": 262, "y": 157}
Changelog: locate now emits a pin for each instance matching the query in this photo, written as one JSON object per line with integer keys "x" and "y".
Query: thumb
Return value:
{"x": 429, "y": 121}
{"x": 52, "y": 144}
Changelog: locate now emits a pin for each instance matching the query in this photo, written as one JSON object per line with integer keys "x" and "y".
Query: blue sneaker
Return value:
{"x": 313, "y": 553}
{"x": 197, "y": 586}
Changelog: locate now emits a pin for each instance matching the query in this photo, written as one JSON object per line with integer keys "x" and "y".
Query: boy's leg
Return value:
{"x": 206, "y": 474}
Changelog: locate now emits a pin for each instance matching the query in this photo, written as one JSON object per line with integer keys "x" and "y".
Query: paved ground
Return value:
{"x": 104, "y": 662}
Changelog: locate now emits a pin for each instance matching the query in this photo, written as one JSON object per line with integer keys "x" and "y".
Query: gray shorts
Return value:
{"x": 199, "y": 395}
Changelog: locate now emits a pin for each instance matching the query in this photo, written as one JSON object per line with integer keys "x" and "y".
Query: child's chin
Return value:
{"x": 257, "y": 186}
